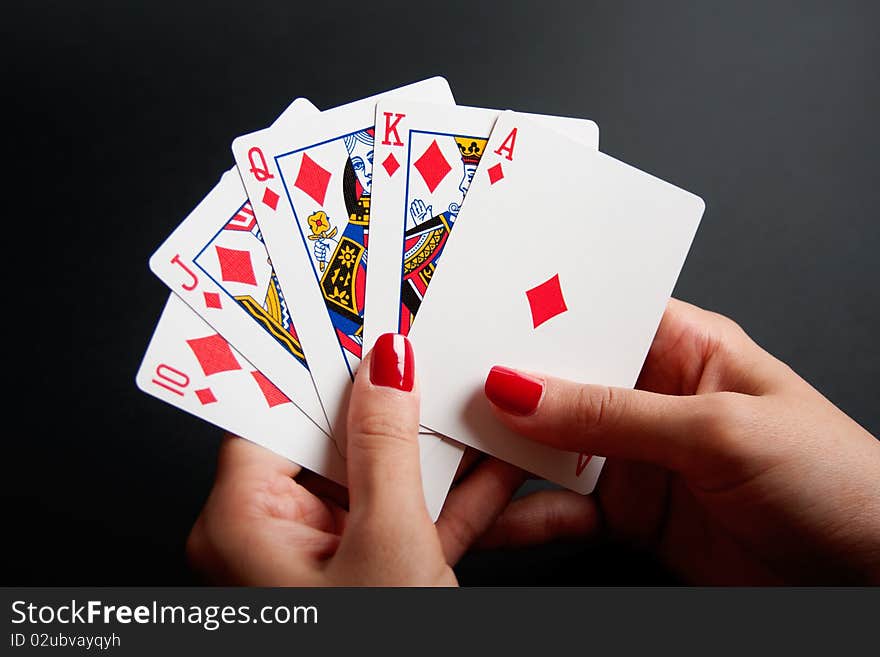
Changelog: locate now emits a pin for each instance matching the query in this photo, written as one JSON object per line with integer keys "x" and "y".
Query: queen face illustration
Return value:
{"x": 360, "y": 152}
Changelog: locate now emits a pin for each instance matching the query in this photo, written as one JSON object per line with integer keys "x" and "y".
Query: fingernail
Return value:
{"x": 514, "y": 391}
{"x": 393, "y": 364}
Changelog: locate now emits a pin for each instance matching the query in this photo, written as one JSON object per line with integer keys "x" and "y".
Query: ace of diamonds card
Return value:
{"x": 562, "y": 261}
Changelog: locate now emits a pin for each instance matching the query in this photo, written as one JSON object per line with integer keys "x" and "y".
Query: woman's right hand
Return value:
{"x": 723, "y": 460}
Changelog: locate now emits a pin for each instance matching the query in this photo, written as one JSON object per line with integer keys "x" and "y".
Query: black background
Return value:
{"x": 118, "y": 117}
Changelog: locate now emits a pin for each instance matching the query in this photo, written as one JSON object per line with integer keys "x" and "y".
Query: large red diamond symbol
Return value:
{"x": 495, "y": 173}
{"x": 391, "y": 164}
{"x": 213, "y": 354}
{"x": 206, "y": 396}
{"x": 433, "y": 166}
{"x": 212, "y": 300}
{"x": 236, "y": 265}
{"x": 272, "y": 394}
{"x": 545, "y": 301}
{"x": 312, "y": 179}
{"x": 270, "y": 198}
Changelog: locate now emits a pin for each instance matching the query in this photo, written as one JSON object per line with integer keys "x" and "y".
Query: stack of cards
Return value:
{"x": 328, "y": 232}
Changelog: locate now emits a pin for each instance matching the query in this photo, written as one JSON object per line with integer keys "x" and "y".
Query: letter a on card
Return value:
{"x": 508, "y": 145}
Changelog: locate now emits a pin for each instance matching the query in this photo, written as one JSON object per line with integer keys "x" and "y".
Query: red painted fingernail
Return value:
{"x": 514, "y": 391}
{"x": 393, "y": 364}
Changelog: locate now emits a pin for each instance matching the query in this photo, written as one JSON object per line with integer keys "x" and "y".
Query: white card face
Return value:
{"x": 562, "y": 262}
{"x": 217, "y": 262}
{"x": 190, "y": 366}
{"x": 425, "y": 156}
{"x": 310, "y": 187}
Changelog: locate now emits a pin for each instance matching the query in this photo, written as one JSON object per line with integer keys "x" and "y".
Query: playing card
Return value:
{"x": 562, "y": 262}
{"x": 190, "y": 366}
{"x": 310, "y": 187}
{"x": 217, "y": 262}
{"x": 426, "y": 157}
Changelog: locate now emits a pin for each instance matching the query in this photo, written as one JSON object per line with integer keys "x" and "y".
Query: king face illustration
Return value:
{"x": 425, "y": 239}
{"x": 471, "y": 150}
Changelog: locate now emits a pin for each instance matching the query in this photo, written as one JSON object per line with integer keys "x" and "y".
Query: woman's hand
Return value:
{"x": 724, "y": 461}
{"x": 260, "y": 526}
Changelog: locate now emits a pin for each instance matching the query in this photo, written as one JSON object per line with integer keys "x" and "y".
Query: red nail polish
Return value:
{"x": 393, "y": 364}
{"x": 514, "y": 391}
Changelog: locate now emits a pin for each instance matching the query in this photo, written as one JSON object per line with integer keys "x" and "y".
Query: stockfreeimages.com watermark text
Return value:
{"x": 209, "y": 617}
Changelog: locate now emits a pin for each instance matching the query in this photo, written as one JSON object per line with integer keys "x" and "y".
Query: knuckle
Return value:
{"x": 596, "y": 407}
{"x": 728, "y": 325}
{"x": 729, "y": 336}
{"x": 461, "y": 528}
{"x": 722, "y": 324}
{"x": 551, "y": 521}
{"x": 379, "y": 428}
{"x": 725, "y": 417}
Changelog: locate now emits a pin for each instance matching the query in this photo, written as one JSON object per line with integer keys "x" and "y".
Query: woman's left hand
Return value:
{"x": 268, "y": 523}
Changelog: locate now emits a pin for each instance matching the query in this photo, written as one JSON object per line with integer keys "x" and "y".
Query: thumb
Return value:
{"x": 614, "y": 422}
{"x": 384, "y": 475}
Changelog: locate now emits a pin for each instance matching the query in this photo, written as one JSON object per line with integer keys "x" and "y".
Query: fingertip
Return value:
{"x": 514, "y": 392}
{"x": 392, "y": 363}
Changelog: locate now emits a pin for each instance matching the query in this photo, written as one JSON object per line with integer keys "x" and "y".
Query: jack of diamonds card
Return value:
{"x": 236, "y": 259}
{"x": 217, "y": 262}
{"x": 311, "y": 187}
{"x": 426, "y": 156}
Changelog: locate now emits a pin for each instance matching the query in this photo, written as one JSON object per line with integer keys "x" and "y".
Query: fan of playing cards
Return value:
{"x": 329, "y": 232}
